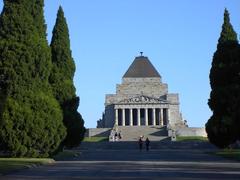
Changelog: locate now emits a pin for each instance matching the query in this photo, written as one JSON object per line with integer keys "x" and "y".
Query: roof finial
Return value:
{"x": 141, "y": 53}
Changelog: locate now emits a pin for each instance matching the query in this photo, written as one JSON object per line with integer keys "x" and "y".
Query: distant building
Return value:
{"x": 141, "y": 100}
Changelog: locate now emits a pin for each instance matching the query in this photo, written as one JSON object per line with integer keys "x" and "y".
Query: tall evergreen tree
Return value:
{"x": 30, "y": 117}
{"x": 36, "y": 9}
{"x": 222, "y": 127}
{"x": 61, "y": 80}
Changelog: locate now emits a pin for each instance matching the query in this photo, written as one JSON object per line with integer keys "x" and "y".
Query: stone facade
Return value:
{"x": 191, "y": 131}
{"x": 141, "y": 100}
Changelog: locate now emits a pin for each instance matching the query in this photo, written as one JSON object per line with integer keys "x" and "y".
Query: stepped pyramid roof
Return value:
{"x": 141, "y": 68}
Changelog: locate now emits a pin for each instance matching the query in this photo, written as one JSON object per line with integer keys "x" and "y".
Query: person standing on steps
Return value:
{"x": 119, "y": 135}
{"x": 116, "y": 136}
{"x": 147, "y": 142}
{"x": 140, "y": 143}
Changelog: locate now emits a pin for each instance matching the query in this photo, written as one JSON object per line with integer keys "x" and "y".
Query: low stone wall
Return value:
{"x": 189, "y": 131}
{"x": 98, "y": 132}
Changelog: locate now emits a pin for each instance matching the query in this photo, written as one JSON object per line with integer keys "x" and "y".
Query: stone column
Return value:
{"x": 161, "y": 117}
{"x": 131, "y": 117}
{"x": 168, "y": 116}
{"x": 116, "y": 117}
{"x": 154, "y": 116}
{"x": 139, "y": 117}
{"x": 123, "y": 117}
{"x": 146, "y": 116}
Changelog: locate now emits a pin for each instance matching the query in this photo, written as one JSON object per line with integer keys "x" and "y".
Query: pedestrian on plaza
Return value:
{"x": 147, "y": 142}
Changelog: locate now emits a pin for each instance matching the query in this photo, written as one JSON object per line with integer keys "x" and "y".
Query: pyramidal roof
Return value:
{"x": 141, "y": 68}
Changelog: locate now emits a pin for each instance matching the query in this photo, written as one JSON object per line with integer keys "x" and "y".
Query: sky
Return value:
{"x": 179, "y": 38}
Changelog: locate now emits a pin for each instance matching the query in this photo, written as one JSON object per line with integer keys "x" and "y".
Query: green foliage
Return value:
{"x": 30, "y": 117}
{"x": 38, "y": 15}
{"x": 223, "y": 126}
{"x": 228, "y": 35}
{"x": 61, "y": 80}
{"x": 191, "y": 138}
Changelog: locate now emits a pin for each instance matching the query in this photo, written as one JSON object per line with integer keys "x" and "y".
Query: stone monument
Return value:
{"x": 142, "y": 99}
{"x": 142, "y": 106}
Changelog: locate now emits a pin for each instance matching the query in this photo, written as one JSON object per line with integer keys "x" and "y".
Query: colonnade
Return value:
{"x": 141, "y": 116}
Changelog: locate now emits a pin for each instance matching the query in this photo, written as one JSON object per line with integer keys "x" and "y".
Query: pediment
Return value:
{"x": 143, "y": 99}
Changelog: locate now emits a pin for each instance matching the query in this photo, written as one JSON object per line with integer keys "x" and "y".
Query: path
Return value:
{"x": 131, "y": 164}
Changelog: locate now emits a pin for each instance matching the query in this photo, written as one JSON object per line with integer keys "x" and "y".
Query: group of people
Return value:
{"x": 116, "y": 136}
{"x": 140, "y": 142}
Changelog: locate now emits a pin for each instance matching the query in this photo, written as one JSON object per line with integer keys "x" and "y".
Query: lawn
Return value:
{"x": 95, "y": 139}
{"x": 8, "y": 165}
{"x": 230, "y": 153}
{"x": 65, "y": 155}
{"x": 191, "y": 138}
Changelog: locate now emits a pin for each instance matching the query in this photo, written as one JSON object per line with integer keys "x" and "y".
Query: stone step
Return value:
{"x": 132, "y": 133}
{"x": 164, "y": 144}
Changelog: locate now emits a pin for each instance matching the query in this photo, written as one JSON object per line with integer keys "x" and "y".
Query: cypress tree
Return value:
{"x": 222, "y": 127}
{"x": 36, "y": 9}
{"x": 30, "y": 117}
{"x": 61, "y": 80}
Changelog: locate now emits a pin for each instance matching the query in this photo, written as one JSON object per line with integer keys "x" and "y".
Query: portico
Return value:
{"x": 141, "y": 115}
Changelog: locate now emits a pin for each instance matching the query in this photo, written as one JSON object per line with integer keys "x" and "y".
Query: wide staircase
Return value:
{"x": 158, "y": 136}
{"x": 132, "y": 133}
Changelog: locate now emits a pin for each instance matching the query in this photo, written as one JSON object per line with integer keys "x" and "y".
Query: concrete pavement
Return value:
{"x": 132, "y": 164}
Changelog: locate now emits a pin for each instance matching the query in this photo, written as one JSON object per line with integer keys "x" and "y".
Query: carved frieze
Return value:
{"x": 143, "y": 99}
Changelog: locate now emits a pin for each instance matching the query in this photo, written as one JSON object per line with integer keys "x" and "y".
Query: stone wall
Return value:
{"x": 146, "y": 86}
{"x": 98, "y": 132}
{"x": 132, "y": 87}
{"x": 109, "y": 118}
{"x": 175, "y": 116}
{"x": 173, "y": 98}
{"x": 188, "y": 131}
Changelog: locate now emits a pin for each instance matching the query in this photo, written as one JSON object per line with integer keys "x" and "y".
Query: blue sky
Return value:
{"x": 179, "y": 37}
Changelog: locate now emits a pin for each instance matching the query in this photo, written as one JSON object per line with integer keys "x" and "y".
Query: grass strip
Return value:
{"x": 95, "y": 139}
{"x": 65, "y": 155}
{"x": 191, "y": 138}
{"x": 8, "y": 165}
{"x": 230, "y": 154}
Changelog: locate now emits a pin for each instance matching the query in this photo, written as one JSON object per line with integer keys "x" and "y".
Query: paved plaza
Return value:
{"x": 164, "y": 164}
